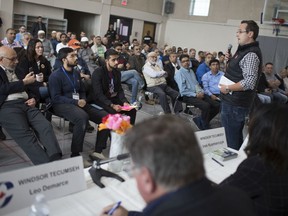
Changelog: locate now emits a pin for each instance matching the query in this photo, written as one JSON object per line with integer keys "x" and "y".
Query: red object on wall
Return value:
{"x": 124, "y": 2}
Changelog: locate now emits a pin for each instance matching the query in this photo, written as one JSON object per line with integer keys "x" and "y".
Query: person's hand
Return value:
{"x": 31, "y": 102}
{"x": 223, "y": 89}
{"x": 214, "y": 97}
{"x": 227, "y": 56}
{"x": 267, "y": 90}
{"x": 81, "y": 103}
{"x": 120, "y": 211}
{"x": 120, "y": 66}
{"x": 128, "y": 66}
{"x": 116, "y": 107}
{"x": 200, "y": 95}
{"x": 277, "y": 83}
{"x": 29, "y": 78}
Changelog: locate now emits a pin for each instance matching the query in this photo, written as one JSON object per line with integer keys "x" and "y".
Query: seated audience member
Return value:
{"x": 222, "y": 62}
{"x": 193, "y": 94}
{"x": 165, "y": 57}
{"x": 171, "y": 177}
{"x": 201, "y": 57}
{"x": 156, "y": 83}
{"x": 87, "y": 55}
{"x": 98, "y": 48}
{"x": 274, "y": 84}
{"x": 210, "y": 81}
{"x": 54, "y": 40}
{"x": 69, "y": 101}
{"x": 19, "y": 116}
{"x": 107, "y": 90}
{"x": 285, "y": 79}
{"x": 171, "y": 68}
{"x": 203, "y": 68}
{"x": 9, "y": 40}
{"x": 63, "y": 42}
{"x": 280, "y": 76}
{"x": 264, "y": 174}
{"x": 34, "y": 61}
{"x": 137, "y": 61}
{"x": 145, "y": 50}
{"x": 159, "y": 58}
{"x": 194, "y": 62}
{"x": 264, "y": 92}
{"x": 48, "y": 52}
{"x": 25, "y": 40}
{"x": 19, "y": 35}
{"x": 129, "y": 76}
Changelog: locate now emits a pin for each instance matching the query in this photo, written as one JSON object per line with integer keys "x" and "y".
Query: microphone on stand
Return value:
{"x": 96, "y": 172}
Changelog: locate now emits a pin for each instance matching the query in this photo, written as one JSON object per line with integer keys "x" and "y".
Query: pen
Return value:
{"x": 217, "y": 162}
{"x": 113, "y": 209}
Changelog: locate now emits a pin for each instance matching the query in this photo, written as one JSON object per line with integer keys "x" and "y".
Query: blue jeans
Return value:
{"x": 132, "y": 78}
{"x": 233, "y": 120}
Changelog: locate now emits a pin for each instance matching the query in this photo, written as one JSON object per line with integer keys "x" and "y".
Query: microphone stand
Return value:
{"x": 96, "y": 172}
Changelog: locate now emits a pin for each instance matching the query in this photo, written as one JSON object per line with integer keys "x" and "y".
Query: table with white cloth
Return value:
{"x": 92, "y": 200}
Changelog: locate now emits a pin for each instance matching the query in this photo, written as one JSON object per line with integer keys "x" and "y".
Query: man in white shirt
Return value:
{"x": 156, "y": 83}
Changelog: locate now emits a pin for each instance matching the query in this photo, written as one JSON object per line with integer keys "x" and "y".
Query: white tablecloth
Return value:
{"x": 91, "y": 201}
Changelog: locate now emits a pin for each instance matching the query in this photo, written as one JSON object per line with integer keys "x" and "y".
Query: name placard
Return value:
{"x": 56, "y": 179}
{"x": 210, "y": 140}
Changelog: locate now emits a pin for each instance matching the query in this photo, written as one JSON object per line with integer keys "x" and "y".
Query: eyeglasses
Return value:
{"x": 185, "y": 61}
{"x": 11, "y": 59}
{"x": 241, "y": 31}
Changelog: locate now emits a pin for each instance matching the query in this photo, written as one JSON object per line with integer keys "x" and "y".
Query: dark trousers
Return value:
{"x": 26, "y": 126}
{"x": 233, "y": 120}
{"x": 162, "y": 91}
{"x": 209, "y": 108}
{"x": 79, "y": 117}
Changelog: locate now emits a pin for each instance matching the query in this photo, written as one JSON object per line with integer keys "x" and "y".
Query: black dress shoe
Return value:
{"x": 2, "y": 135}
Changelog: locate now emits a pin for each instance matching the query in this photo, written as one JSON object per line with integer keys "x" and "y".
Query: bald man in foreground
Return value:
{"x": 19, "y": 116}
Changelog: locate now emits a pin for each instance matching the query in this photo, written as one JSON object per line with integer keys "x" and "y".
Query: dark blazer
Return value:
{"x": 267, "y": 188}
{"x": 202, "y": 198}
{"x": 169, "y": 68}
{"x": 100, "y": 87}
{"x": 7, "y": 87}
{"x": 36, "y": 27}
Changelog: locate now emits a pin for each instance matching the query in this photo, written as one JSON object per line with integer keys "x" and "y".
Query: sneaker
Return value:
{"x": 2, "y": 135}
{"x": 87, "y": 163}
{"x": 97, "y": 156}
{"x": 89, "y": 128}
{"x": 150, "y": 102}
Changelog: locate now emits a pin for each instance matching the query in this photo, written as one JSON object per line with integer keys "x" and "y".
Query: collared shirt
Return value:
{"x": 249, "y": 64}
{"x": 11, "y": 45}
{"x": 13, "y": 78}
{"x": 187, "y": 83}
{"x": 210, "y": 82}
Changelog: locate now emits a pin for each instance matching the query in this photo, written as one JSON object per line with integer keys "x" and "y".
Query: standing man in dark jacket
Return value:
{"x": 243, "y": 69}
{"x": 36, "y": 26}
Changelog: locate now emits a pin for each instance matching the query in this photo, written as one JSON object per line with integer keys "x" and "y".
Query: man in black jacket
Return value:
{"x": 19, "y": 116}
{"x": 107, "y": 89}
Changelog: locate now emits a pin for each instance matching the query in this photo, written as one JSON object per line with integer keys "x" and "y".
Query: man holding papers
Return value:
{"x": 107, "y": 90}
{"x": 243, "y": 68}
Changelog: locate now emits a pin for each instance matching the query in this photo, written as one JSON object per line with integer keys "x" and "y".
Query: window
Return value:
{"x": 199, "y": 7}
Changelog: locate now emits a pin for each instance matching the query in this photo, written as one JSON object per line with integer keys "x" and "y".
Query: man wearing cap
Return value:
{"x": 63, "y": 39}
{"x": 48, "y": 52}
{"x": 87, "y": 54}
{"x": 36, "y": 26}
{"x": 98, "y": 48}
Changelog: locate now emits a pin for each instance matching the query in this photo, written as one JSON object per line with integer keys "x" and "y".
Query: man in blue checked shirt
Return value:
{"x": 210, "y": 81}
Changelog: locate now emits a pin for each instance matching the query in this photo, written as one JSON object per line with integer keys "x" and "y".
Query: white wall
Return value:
{"x": 205, "y": 36}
